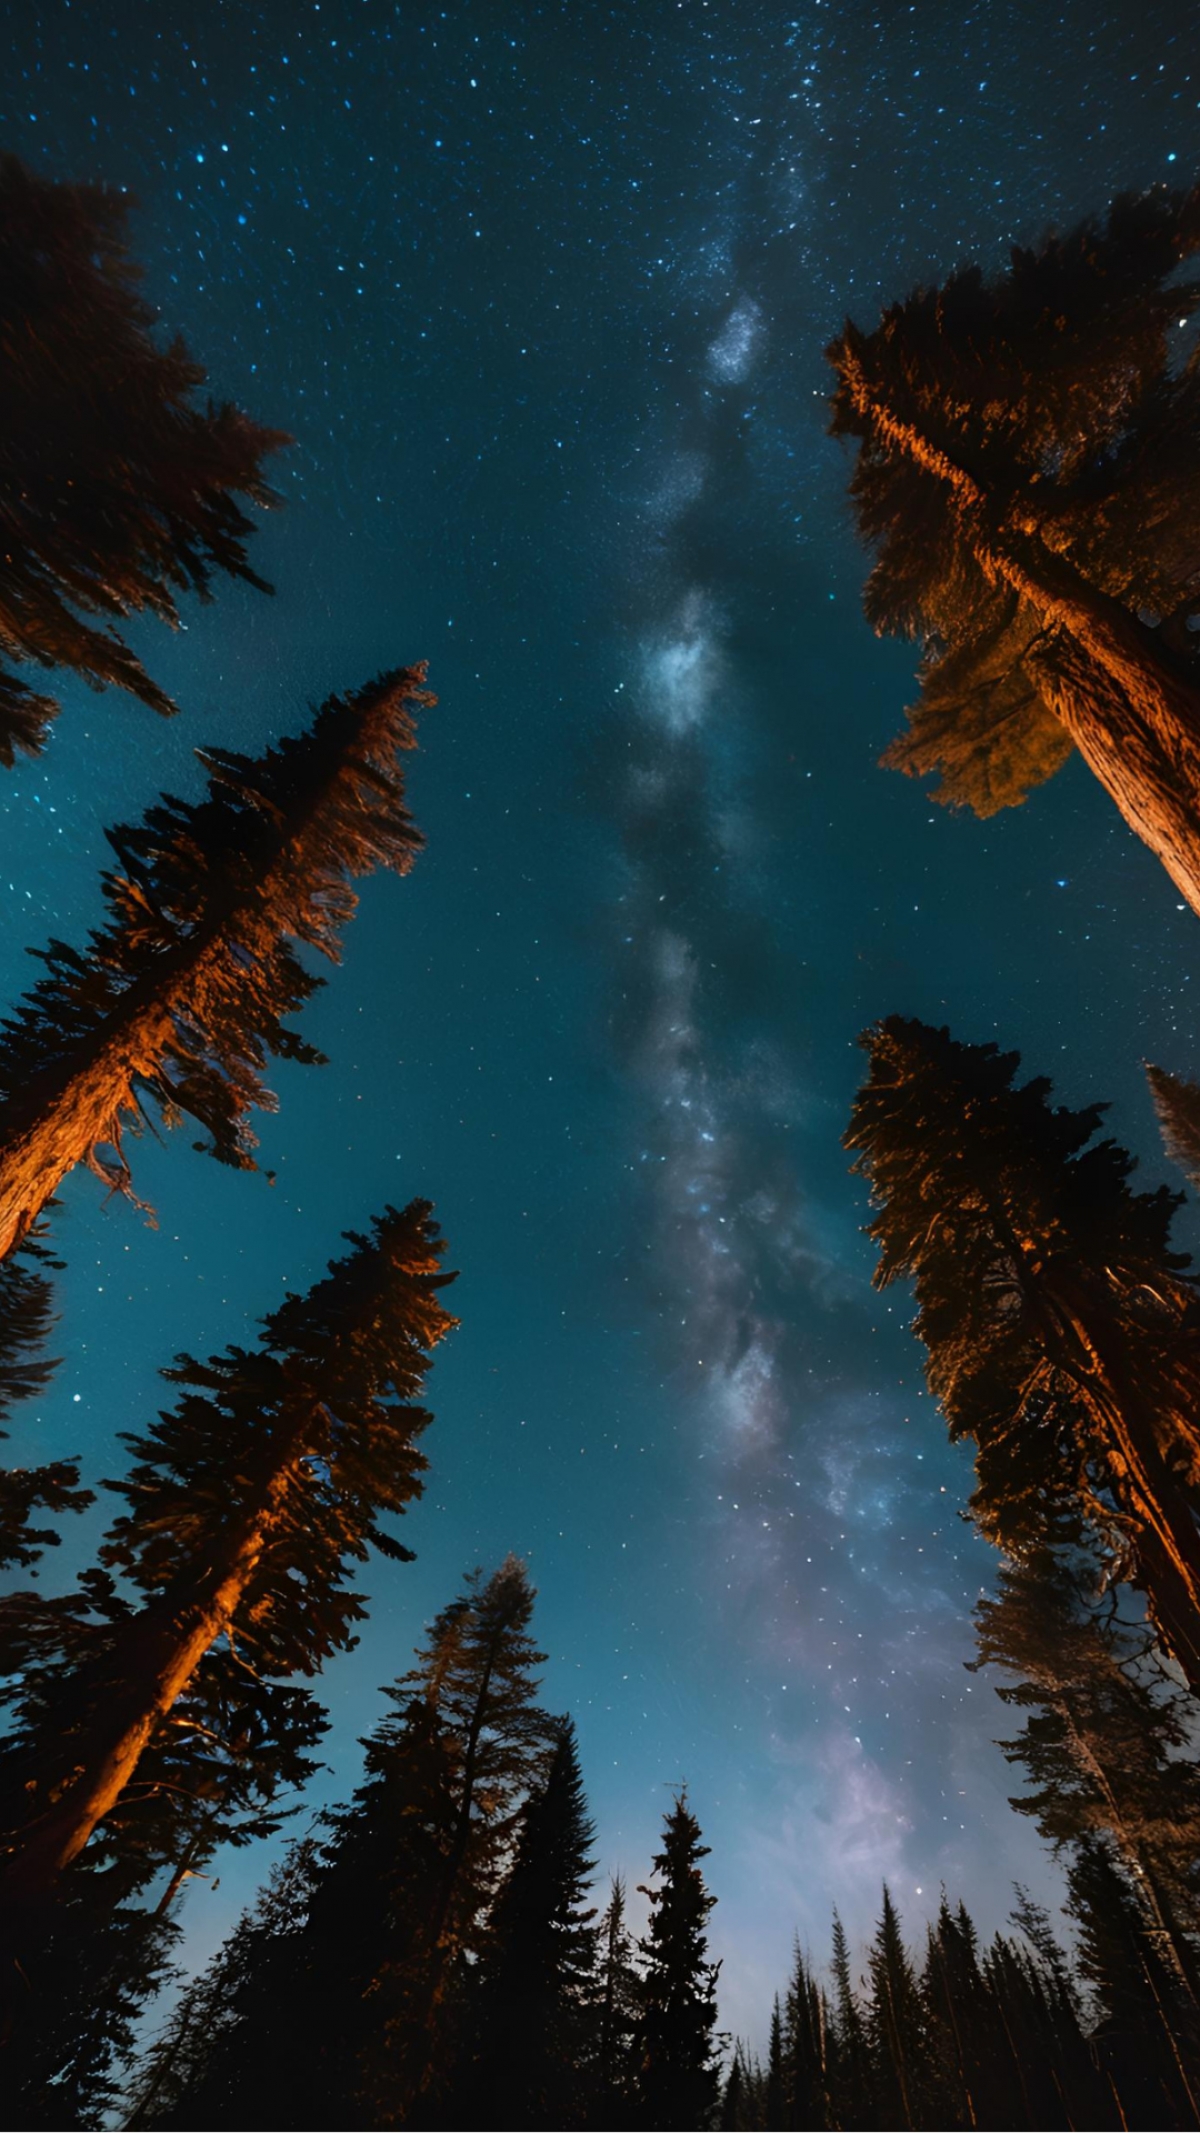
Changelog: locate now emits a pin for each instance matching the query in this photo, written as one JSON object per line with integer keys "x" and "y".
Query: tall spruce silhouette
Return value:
{"x": 1028, "y": 476}
{"x": 678, "y": 2079}
{"x": 177, "y": 1001}
{"x": 613, "y": 2073}
{"x": 249, "y": 1505}
{"x": 535, "y": 2006}
{"x": 1061, "y": 1328}
{"x": 119, "y": 489}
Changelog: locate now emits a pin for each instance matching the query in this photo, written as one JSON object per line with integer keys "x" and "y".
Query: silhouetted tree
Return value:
{"x": 1146, "y": 2037}
{"x": 354, "y": 2001}
{"x": 26, "y": 1317}
{"x": 808, "y": 2046}
{"x": 614, "y": 2076}
{"x": 678, "y": 2076}
{"x": 1061, "y": 1328}
{"x": 119, "y": 489}
{"x": 179, "y": 999}
{"x": 249, "y": 1503}
{"x": 851, "y": 2052}
{"x": 896, "y": 2027}
{"x": 1177, "y": 1103}
{"x": 533, "y": 2019}
{"x": 1028, "y": 476}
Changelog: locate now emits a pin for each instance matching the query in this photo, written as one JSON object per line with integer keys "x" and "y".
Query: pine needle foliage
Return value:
{"x": 358, "y": 2005}
{"x": 26, "y": 1320}
{"x": 249, "y": 1504}
{"x": 120, "y": 490}
{"x": 678, "y": 2080}
{"x": 1062, "y": 1331}
{"x": 179, "y": 999}
{"x": 1028, "y": 479}
{"x": 532, "y": 2023}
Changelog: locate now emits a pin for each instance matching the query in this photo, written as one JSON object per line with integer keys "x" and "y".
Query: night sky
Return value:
{"x": 542, "y": 293}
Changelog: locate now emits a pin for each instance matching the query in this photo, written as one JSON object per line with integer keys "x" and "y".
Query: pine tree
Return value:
{"x": 119, "y": 489}
{"x": 808, "y": 2049}
{"x": 1146, "y": 2037}
{"x": 178, "y": 1000}
{"x": 1106, "y": 1744}
{"x": 208, "y": 2013}
{"x": 1177, "y": 1103}
{"x": 248, "y": 1504}
{"x": 1028, "y": 477}
{"x": 896, "y": 2026}
{"x": 776, "y": 2088}
{"x": 1059, "y": 1324}
{"x": 678, "y": 2075}
{"x": 26, "y": 1317}
{"x": 536, "y": 1998}
{"x": 618, "y": 2016}
{"x": 356, "y": 2005}
{"x": 851, "y": 2065}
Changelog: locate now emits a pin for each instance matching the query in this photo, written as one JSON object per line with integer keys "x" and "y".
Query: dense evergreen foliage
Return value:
{"x": 249, "y": 1504}
{"x": 119, "y": 491}
{"x": 1027, "y": 476}
{"x": 1062, "y": 1330}
{"x": 179, "y": 999}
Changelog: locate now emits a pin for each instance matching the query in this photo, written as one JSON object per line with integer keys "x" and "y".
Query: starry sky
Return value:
{"x": 541, "y": 292}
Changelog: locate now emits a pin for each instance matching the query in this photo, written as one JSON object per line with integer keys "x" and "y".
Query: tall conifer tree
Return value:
{"x": 248, "y": 1505}
{"x": 179, "y": 999}
{"x": 1061, "y": 1328}
{"x": 614, "y": 2078}
{"x": 534, "y": 2017}
{"x": 120, "y": 491}
{"x": 679, "y": 2057}
{"x": 1028, "y": 476}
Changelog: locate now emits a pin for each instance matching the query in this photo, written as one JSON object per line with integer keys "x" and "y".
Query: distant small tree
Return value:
{"x": 617, "y": 2017}
{"x": 851, "y": 2056}
{"x": 808, "y": 2051}
{"x": 1028, "y": 477}
{"x": 248, "y": 1505}
{"x": 179, "y": 999}
{"x": 119, "y": 491}
{"x": 679, "y": 2056}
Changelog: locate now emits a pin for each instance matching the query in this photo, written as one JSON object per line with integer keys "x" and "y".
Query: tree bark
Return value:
{"x": 142, "y": 1675}
{"x": 75, "y": 1105}
{"x": 1135, "y": 722}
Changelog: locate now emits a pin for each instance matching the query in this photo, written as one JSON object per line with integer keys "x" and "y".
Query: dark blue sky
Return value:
{"x": 542, "y": 293}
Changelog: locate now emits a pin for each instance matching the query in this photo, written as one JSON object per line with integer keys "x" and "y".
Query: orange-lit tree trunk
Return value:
{"x": 64, "y": 1113}
{"x": 1135, "y": 722}
{"x": 146, "y": 1671}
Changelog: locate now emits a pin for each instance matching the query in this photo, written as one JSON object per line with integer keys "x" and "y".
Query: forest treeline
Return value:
{"x": 439, "y": 1951}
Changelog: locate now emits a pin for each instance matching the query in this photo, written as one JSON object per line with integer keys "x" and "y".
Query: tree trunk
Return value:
{"x": 62, "y": 1114}
{"x": 149, "y": 1667}
{"x": 1135, "y": 722}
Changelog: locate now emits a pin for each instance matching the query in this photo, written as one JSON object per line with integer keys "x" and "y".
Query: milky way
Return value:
{"x": 542, "y": 294}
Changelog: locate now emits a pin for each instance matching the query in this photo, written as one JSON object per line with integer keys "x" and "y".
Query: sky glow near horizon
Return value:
{"x": 543, "y": 295}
